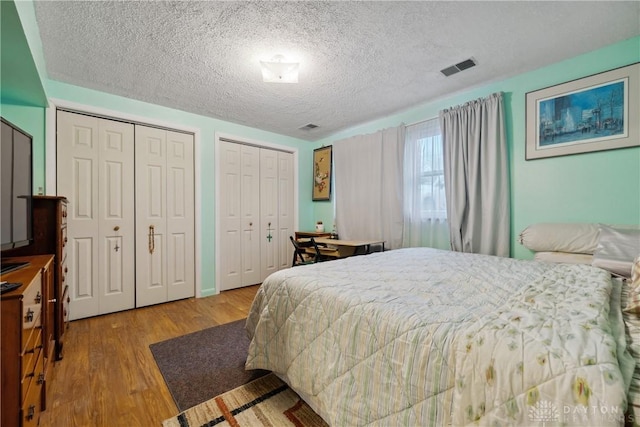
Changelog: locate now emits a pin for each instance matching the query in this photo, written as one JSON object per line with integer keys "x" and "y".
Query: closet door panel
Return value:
{"x": 117, "y": 220}
{"x": 81, "y": 278}
{"x": 95, "y": 172}
{"x": 180, "y": 216}
{"x": 269, "y": 237}
{"x": 230, "y": 176}
{"x": 250, "y": 214}
{"x": 151, "y": 229}
{"x": 77, "y": 152}
{"x": 286, "y": 214}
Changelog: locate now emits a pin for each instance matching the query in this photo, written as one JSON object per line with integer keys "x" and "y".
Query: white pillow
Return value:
{"x": 564, "y": 257}
{"x": 579, "y": 238}
{"x": 616, "y": 250}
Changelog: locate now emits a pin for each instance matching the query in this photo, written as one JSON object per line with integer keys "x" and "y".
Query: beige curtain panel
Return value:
{"x": 477, "y": 176}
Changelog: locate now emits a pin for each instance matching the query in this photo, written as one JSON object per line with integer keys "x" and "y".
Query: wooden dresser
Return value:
{"x": 50, "y": 237}
{"x": 26, "y": 341}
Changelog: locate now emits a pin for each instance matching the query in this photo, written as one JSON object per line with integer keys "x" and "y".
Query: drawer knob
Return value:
{"x": 29, "y": 316}
{"x": 38, "y": 298}
{"x": 53, "y": 300}
{"x": 41, "y": 379}
{"x": 31, "y": 412}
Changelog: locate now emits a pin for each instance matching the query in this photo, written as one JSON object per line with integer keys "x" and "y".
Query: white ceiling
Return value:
{"x": 359, "y": 61}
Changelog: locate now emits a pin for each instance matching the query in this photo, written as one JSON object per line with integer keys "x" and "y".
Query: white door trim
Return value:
{"x": 50, "y": 159}
{"x": 257, "y": 143}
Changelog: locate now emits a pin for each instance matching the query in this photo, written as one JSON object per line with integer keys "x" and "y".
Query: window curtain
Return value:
{"x": 425, "y": 210}
{"x": 476, "y": 176}
{"x": 368, "y": 190}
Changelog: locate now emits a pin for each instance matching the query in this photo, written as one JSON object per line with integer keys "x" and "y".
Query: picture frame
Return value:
{"x": 593, "y": 113}
{"x": 322, "y": 162}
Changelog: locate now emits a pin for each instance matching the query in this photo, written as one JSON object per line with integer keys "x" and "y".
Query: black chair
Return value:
{"x": 302, "y": 253}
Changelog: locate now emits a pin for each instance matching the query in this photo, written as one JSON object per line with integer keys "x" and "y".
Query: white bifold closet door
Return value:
{"x": 131, "y": 213}
{"x": 95, "y": 171}
{"x": 164, "y": 216}
{"x": 256, "y": 213}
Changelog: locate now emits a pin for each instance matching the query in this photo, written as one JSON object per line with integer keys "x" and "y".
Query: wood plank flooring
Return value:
{"x": 108, "y": 376}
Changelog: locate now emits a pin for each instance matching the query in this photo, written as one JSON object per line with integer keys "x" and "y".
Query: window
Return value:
{"x": 425, "y": 204}
{"x": 424, "y": 171}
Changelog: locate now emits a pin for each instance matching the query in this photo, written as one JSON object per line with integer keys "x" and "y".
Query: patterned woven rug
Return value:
{"x": 266, "y": 401}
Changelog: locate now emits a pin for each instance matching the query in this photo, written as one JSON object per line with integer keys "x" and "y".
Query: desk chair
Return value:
{"x": 302, "y": 253}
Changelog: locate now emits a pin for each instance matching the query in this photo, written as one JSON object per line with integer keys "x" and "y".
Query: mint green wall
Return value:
{"x": 31, "y": 120}
{"x": 593, "y": 187}
{"x": 22, "y": 96}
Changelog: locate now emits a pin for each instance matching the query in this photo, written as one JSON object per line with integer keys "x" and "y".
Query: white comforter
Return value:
{"x": 422, "y": 337}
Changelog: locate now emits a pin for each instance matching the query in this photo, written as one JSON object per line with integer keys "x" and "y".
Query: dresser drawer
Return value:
{"x": 63, "y": 271}
{"x": 33, "y": 294}
{"x": 31, "y": 405}
{"x": 65, "y": 305}
{"x": 32, "y": 351}
{"x": 63, "y": 214}
{"x": 30, "y": 334}
{"x": 31, "y": 313}
{"x": 63, "y": 239}
{"x": 31, "y": 321}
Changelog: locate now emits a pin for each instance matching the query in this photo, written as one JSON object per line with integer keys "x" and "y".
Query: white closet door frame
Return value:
{"x": 51, "y": 172}
{"x": 261, "y": 144}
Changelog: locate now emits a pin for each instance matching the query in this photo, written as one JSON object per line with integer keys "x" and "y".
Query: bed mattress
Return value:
{"x": 427, "y": 337}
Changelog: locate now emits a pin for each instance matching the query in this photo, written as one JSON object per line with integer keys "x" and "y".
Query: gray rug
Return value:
{"x": 204, "y": 364}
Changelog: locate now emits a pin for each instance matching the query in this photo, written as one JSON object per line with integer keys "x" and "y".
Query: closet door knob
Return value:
{"x": 116, "y": 228}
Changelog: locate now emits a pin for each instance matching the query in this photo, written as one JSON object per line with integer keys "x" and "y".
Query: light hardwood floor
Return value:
{"x": 108, "y": 376}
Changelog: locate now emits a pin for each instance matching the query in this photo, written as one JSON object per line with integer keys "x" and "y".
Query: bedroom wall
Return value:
{"x": 22, "y": 98}
{"x": 591, "y": 187}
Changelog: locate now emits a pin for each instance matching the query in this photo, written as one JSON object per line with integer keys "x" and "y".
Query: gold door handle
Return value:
{"x": 152, "y": 240}
{"x": 116, "y": 228}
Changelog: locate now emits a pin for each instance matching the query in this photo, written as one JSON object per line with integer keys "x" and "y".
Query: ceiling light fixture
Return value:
{"x": 279, "y": 71}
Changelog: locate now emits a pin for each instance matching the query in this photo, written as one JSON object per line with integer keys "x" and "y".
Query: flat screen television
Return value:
{"x": 16, "y": 214}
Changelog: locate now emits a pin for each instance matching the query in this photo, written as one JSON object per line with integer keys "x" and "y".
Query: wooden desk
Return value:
{"x": 347, "y": 248}
{"x": 314, "y": 234}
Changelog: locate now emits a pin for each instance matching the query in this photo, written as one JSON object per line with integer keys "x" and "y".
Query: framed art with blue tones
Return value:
{"x": 594, "y": 113}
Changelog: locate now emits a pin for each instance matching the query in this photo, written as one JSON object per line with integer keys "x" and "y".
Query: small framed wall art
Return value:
{"x": 594, "y": 113}
{"x": 322, "y": 173}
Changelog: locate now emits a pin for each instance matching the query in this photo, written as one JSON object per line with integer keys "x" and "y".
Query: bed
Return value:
{"x": 422, "y": 337}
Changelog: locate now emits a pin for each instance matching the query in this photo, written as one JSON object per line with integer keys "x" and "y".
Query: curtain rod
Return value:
{"x": 421, "y": 121}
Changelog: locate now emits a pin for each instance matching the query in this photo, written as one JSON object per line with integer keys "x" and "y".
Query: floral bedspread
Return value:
{"x": 419, "y": 336}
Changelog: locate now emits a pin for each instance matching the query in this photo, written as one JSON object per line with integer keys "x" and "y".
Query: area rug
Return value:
{"x": 266, "y": 401}
{"x": 204, "y": 364}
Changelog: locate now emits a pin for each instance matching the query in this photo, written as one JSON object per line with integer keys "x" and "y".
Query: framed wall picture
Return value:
{"x": 322, "y": 173}
{"x": 594, "y": 113}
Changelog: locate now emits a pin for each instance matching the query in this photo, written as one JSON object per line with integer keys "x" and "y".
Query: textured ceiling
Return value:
{"x": 359, "y": 61}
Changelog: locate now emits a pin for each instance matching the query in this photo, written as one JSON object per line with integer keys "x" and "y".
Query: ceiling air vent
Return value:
{"x": 460, "y": 66}
{"x": 310, "y": 126}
